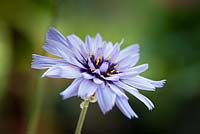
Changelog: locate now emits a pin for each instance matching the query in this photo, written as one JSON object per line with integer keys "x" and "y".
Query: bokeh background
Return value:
{"x": 168, "y": 32}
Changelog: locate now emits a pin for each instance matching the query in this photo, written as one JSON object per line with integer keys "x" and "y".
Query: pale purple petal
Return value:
{"x": 114, "y": 53}
{"x": 124, "y": 86}
{"x": 62, "y": 71}
{"x": 117, "y": 91}
{"x": 72, "y": 60}
{"x": 72, "y": 56}
{"x": 105, "y": 99}
{"x": 112, "y": 78}
{"x": 141, "y": 97}
{"x": 127, "y": 75}
{"x": 75, "y": 46}
{"x": 131, "y": 50}
{"x": 89, "y": 41}
{"x": 144, "y": 99}
{"x": 125, "y": 108}
{"x": 98, "y": 81}
{"x": 43, "y": 62}
{"x": 98, "y": 41}
{"x": 128, "y": 61}
{"x": 87, "y": 88}
{"x": 90, "y": 64}
{"x": 140, "y": 84}
{"x": 55, "y": 35}
{"x": 74, "y": 41}
{"x": 99, "y": 53}
{"x": 139, "y": 69}
{"x": 97, "y": 71}
{"x": 95, "y": 45}
{"x": 84, "y": 51}
{"x": 72, "y": 90}
{"x": 87, "y": 75}
{"x": 104, "y": 67}
{"x": 156, "y": 84}
{"x": 108, "y": 47}
{"x": 52, "y": 47}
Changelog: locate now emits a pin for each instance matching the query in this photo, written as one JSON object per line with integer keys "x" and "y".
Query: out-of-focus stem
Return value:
{"x": 39, "y": 93}
{"x": 36, "y": 107}
{"x": 54, "y": 12}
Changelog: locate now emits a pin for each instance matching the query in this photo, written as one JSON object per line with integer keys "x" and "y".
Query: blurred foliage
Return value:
{"x": 168, "y": 32}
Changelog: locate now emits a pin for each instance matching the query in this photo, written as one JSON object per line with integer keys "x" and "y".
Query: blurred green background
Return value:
{"x": 168, "y": 32}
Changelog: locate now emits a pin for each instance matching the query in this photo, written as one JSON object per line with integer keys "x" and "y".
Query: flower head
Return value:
{"x": 99, "y": 68}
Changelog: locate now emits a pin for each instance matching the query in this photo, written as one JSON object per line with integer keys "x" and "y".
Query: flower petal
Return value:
{"x": 105, "y": 98}
{"x": 87, "y": 75}
{"x": 112, "y": 78}
{"x": 86, "y": 89}
{"x": 131, "y": 50}
{"x": 127, "y": 75}
{"x": 104, "y": 67}
{"x": 141, "y": 97}
{"x": 144, "y": 99}
{"x": 98, "y": 53}
{"x": 139, "y": 69}
{"x": 124, "y": 86}
{"x": 84, "y": 51}
{"x": 62, "y": 71}
{"x": 128, "y": 62}
{"x": 96, "y": 71}
{"x": 72, "y": 90}
{"x": 74, "y": 41}
{"x": 98, "y": 40}
{"x": 90, "y": 64}
{"x": 52, "y": 46}
{"x": 156, "y": 84}
{"x": 43, "y": 62}
{"x": 117, "y": 91}
{"x": 125, "y": 108}
{"x": 54, "y": 34}
{"x": 71, "y": 59}
{"x": 72, "y": 55}
{"x": 108, "y": 47}
{"x": 140, "y": 84}
{"x": 77, "y": 46}
{"x": 97, "y": 81}
{"x": 90, "y": 42}
{"x": 114, "y": 53}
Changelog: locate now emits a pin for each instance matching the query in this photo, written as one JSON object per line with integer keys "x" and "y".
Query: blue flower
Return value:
{"x": 99, "y": 68}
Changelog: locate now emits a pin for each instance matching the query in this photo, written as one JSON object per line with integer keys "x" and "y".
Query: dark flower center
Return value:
{"x": 98, "y": 62}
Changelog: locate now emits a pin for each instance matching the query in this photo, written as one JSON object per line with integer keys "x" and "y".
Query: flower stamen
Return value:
{"x": 101, "y": 76}
{"x": 97, "y": 61}
{"x": 112, "y": 71}
{"x": 91, "y": 55}
{"x": 108, "y": 58}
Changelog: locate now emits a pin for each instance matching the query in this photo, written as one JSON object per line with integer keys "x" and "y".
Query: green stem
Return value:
{"x": 82, "y": 117}
{"x": 37, "y": 103}
{"x": 54, "y": 12}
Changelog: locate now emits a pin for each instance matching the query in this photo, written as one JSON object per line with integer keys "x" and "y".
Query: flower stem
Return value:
{"x": 82, "y": 116}
{"x": 55, "y": 12}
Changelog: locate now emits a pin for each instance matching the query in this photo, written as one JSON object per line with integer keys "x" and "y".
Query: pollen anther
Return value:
{"x": 112, "y": 71}
{"x": 91, "y": 55}
{"x": 108, "y": 58}
{"x": 101, "y": 76}
{"x": 97, "y": 61}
